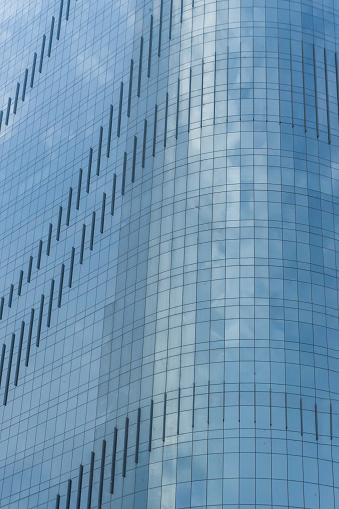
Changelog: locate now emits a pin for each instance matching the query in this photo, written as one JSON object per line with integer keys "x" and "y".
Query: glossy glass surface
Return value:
{"x": 169, "y": 246}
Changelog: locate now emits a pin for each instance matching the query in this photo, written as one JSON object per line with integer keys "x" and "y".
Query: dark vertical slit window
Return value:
{"x": 1, "y": 116}
{"x": 24, "y": 85}
{"x": 304, "y": 93}
{"x": 150, "y": 48}
{"x": 181, "y": 10}
{"x": 177, "y": 115}
{"x": 155, "y": 128}
{"x": 208, "y": 403}
{"x": 166, "y": 117}
{"x": 164, "y": 419}
{"x": 193, "y": 405}
{"x": 81, "y": 471}
{"x": 61, "y": 283}
{"x": 120, "y": 109}
{"x": 68, "y": 215}
{"x": 140, "y": 65}
{"x": 114, "y": 453}
{"x": 109, "y": 136}
{"x": 2, "y": 360}
{"x": 2, "y": 303}
{"x": 57, "y": 502}
{"x": 292, "y": 98}
{"x": 327, "y": 100}
{"x": 33, "y": 69}
{"x": 41, "y": 312}
{"x": 10, "y": 296}
{"x": 8, "y": 110}
{"x": 9, "y": 368}
{"x": 113, "y": 194}
{"x": 38, "y": 260}
{"x": 315, "y": 91}
{"x": 178, "y": 417}
{"x": 29, "y": 272}
{"x": 71, "y": 267}
{"x": 43, "y": 44}
{"x": 15, "y": 107}
{"x": 59, "y": 224}
{"x": 89, "y": 169}
{"x": 50, "y": 303}
{"x": 21, "y": 338}
{"x": 189, "y": 101}
{"x": 215, "y": 85}
{"x": 79, "y": 189}
{"x": 21, "y": 276}
{"x": 130, "y": 89}
{"x": 123, "y": 180}
{"x": 51, "y": 37}
{"x": 68, "y": 496}
{"x": 170, "y": 21}
{"x": 99, "y": 149}
{"x": 102, "y": 473}
{"x": 91, "y": 242}
{"x": 103, "y": 207}
{"x": 124, "y": 460}
{"x": 59, "y": 20}
{"x": 202, "y": 91}
{"x": 337, "y": 79}
{"x": 160, "y": 26}
{"x": 90, "y": 482}
{"x": 67, "y": 9}
{"x": 144, "y": 145}
{"x": 49, "y": 240}
{"x": 136, "y": 458}
{"x": 134, "y": 158}
{"x": 29, "y": 338}
{"x": 150, "y": 427}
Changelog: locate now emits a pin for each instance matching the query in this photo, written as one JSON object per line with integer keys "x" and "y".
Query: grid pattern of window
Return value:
{"x": 168, "y": 232}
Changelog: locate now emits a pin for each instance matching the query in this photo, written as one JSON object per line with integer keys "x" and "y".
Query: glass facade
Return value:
{"x": 169, "y": 235}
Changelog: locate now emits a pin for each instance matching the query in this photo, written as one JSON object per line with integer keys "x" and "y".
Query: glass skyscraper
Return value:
{"x": 169, "y": 229}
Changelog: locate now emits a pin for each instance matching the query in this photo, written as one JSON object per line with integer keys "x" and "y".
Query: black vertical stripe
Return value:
{"x": 9, "y": 368}
{"x": 327, "y": 100}
{"x": 38, "y": 260}
{"x": 42, "y": 52}
{"x": 57, "y": 502}
{"x": 16, "y": 98}
{"x": 21, "y": 276}
{"x": 21, "y": 338}
{"x": 150, "y": 427}
{"x": 160, "y": 26}
{"x": 79, "y": 189}
{"x": 24, "y": 85}
{"x": 29, "y": 338}
{"x": 61, "y": 283}
{"x": 150, "y": 47}
{"x": 29, "y": 272}
{"x": 83, "y": 234}
{"x": 51, "y": 37}
{"x": 49, "y": 240}
{"x": 102, "y": 473}
{"x": 99, "y": 150}
{"x": 68, "y": 496}
{"x": 91, "y": 242}
{"x": 89, "y": 169}
{"x": 124, "y": 461}
{"x": 81, "y": 470}
{"x": 2, "y": 360}
{"x": 166, "y": 119}
{"x": 67, "y": 9}
{"x": 136, "y": 458}
{"x": 50, "y": 303}
{"x": 124, "y": 174}
{"x": 8, "y": 110}
{"x": 130, "y": 89}
{"x": 10, "y": 296}
{"x": 71, "y": 267}
{"x": 304, "y": 93}
{"x": 140, "y": 65}
{"x": 103, "y": 207}
{"x": 189, "y": 100}
{"x": 155, "y": 129}
{"x": 59, "y": 20}
{"x": 109, "y": 136}
{"x": 134, "y": 158}
{"x": 120, "y": 109}
{"x": 33, "y": 69}
{"x": 59, "y": 224}
{"x": 41, "y": 312}
{"x": 177, "y": 115}
{"x": 114, "y": 452}
{"x": 144, "y": 145}
{"x": 90, "y": 483}
{"x": 69, "y": 205}
{"x": 170, "y": 21}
